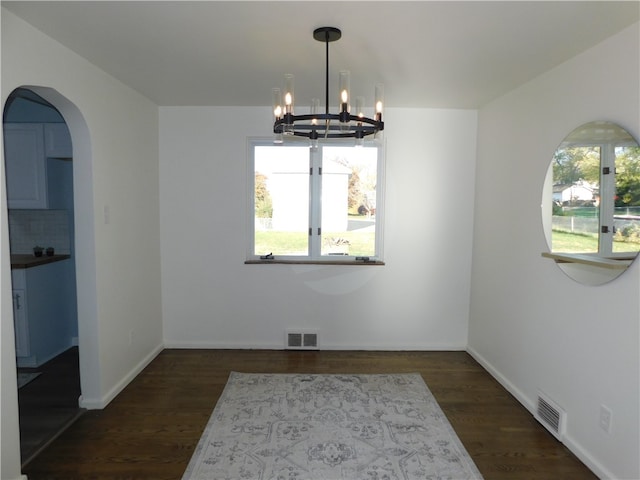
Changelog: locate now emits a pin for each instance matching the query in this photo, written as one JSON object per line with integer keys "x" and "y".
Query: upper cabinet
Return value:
{"x": 25, "y": 164}
{"x": 27, "y": 147}
{"x": 57, "y": 141}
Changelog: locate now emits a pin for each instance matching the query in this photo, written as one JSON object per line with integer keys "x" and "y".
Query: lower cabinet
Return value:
{"x": 20, "y": 322}
{"x": 45, "y": 312}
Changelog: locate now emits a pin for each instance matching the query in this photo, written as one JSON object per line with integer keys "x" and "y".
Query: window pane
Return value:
{"x": 349, "y": 179}
{"x": 576, "y": 200}
{"x": 281, "y": 200}
{"x": 627, "y": 200}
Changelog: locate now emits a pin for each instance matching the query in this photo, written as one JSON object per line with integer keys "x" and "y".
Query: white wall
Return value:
{"x": 531, "y": 325}
{"x": 115, "y": 139}
{"x": 418, "y": 300}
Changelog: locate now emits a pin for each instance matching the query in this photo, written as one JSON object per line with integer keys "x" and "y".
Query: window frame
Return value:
{"x": 607, "y": 188}
{"x": 314, "y": 255}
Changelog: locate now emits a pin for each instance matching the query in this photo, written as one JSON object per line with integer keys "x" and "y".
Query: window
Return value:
{"x": 317, "y": 205}
{"x": 596, "y": 197}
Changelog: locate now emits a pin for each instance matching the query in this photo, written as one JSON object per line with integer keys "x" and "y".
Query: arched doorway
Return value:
{"x": 67, "y": 185}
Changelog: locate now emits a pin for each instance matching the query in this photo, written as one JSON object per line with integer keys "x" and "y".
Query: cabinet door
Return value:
{"x": 57, "y": 141}
{"x": 25, "y": 165}
{"x": 20, "y": 323}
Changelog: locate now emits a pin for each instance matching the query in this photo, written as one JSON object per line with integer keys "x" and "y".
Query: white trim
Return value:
{"x": 317, "y": 162}
{"x": 577, "y": 449}
{"x": 100, "y": 403}
{"x": 278, "y": 346}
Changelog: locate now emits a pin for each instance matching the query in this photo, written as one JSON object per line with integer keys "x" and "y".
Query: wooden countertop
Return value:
{"x": 28, "y": 261}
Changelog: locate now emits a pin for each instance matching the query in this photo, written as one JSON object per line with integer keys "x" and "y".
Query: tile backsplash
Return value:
{"x": 46, "y": 228}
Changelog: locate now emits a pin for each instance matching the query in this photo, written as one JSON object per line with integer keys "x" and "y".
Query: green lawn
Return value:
{"x": 584, "y": 243}
{"x": 362, "y": 244}
{"x": 281, "y": 243}
{"x": 296, "y": 243}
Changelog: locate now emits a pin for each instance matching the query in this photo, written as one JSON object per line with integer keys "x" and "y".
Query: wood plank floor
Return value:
{"x": 150, "y": 430}
{"x": 48, "y": 404}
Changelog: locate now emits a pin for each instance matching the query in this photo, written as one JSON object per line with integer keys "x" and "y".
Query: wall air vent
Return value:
{"x": 551, "y": 416}
{"x": 301, "y": 340}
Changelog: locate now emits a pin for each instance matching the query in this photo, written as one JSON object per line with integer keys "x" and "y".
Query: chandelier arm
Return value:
{"x": 365, "y": 126}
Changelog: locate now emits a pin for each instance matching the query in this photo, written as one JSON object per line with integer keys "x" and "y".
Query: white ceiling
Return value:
{"x": 451, "y": 54}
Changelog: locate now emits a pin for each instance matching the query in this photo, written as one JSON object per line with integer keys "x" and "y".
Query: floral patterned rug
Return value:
{"x": 328, "y": 427}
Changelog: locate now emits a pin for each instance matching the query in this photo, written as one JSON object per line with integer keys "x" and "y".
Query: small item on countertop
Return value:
{"x": 50, "y": 251}
{"x": 37, "y": 251}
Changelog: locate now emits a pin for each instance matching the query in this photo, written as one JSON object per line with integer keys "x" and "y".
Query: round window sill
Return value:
{"x": 615, "y": 262}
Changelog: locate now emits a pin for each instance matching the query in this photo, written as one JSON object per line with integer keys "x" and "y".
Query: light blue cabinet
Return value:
{"x": 21, "y": 325}
{"x": 27, "y": 147}
{"x": 47, "y": 317}
{"x": 57, "y": 141}
{"x": 25, "y": 164}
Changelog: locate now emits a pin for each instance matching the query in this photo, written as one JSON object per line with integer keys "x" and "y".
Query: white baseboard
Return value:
{"x": 100, "y": 403}
{"x": 530, "y": 405}
{"x": 220, "y": 346}
{"x": 324, "y": 346}
{"x": 502, "y": 380}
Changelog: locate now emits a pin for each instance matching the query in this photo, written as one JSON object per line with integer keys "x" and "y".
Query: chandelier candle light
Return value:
{"x": 326, "y": 125}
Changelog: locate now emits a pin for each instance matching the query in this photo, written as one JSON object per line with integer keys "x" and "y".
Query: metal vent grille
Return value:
{"x": 301, "y": 340}
{"x": 551, "y": 416}
{"x": 294, "y": 340}
{"x": 310, "y": 340}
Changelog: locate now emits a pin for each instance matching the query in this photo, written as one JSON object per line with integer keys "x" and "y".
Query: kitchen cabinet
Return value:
{"x": 25, "y": 164}
{"x": 45, "y": 312}
{"x": 57, "y": 141}
{"x": 21, "y": 318}
{"x": 27, "y": 147}
{"x": 21, "y": 326}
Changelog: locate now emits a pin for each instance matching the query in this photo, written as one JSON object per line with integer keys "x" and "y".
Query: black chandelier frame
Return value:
{"x": 345, "y": 125}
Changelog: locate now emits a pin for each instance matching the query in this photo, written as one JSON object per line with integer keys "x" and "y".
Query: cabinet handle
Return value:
{"x": 17, "y": 302}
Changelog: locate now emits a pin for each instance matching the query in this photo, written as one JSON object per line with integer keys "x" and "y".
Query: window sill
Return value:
{"x": 311, "y": 262}
{"x": 615, "y": 262}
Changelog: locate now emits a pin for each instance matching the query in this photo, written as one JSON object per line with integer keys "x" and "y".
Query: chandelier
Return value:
{"x": 315, "y": 125}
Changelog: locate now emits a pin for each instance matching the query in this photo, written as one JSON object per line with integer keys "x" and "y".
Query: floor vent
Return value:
{"x": 301, "y": 340}
{"x": 551, "y": 416}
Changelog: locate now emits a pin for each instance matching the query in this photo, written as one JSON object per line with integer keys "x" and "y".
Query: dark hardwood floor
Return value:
{"x": 149, "y": 431}
{"x": 49, "y": 403}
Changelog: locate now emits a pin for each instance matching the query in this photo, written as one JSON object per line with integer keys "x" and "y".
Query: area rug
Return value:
{"x": 25, "y": 377}
{"x": 328, "y": 427}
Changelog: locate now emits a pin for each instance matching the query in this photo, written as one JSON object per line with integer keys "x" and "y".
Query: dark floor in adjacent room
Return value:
{"x": 49, "y": 403}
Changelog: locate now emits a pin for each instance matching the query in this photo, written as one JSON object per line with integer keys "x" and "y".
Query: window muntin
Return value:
{"x": 315, "y": 204}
